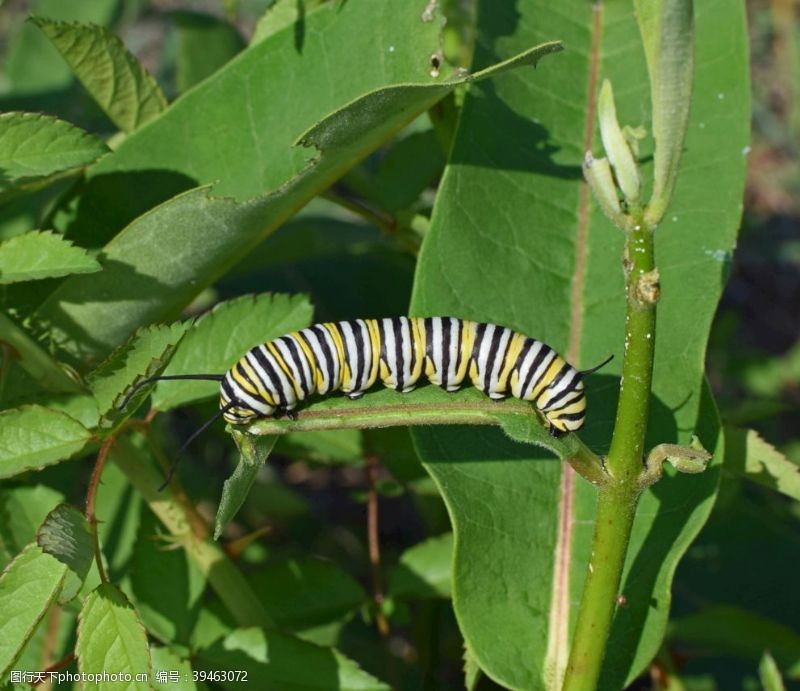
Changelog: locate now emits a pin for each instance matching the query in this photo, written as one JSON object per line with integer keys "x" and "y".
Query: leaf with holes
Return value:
{"x": 121, "y": 86}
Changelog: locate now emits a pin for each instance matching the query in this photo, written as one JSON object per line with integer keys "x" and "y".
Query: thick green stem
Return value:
{"x": 222, "y": 574}
{"x": 617, "y": 500}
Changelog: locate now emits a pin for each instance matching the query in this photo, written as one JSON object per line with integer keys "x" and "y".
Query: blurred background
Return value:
{"x": 313, "y": 498}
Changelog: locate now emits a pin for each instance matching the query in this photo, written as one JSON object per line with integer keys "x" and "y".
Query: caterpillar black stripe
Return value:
{"x": 352, "y": 356}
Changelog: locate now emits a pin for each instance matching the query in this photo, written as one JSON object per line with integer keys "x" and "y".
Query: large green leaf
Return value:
{"x": 515, "y": 240}
{"x": 42, "y": 255}
{"x": 168, "y": 255}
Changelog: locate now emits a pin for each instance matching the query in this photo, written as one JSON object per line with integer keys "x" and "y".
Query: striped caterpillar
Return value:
{"x": 351, "y": 356}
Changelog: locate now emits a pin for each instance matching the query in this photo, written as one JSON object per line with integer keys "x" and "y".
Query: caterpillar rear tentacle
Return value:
{"x": 352, "y": 356}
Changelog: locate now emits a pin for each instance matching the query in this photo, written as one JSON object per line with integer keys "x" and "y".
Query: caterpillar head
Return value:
{"x": 237, "y": 409}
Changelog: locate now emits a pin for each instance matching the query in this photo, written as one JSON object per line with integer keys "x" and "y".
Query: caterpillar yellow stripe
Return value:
{"x": 352, "y": 356}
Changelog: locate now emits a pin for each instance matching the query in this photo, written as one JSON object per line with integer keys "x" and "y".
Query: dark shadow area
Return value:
{"x": 107, "y": 203}
{"x": 300, "y": 27}
{"x": 532, "y": 149}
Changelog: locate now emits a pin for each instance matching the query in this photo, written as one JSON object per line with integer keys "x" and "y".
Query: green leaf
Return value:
{"x": 28, "y": 586}
{"x": 667, "y": 30}
{"x": 166, "y": 586}
{"x": 23, "y": 509}
{"x": 253, "y": 453}
{"x": 513, "y": 241}
{"x": 167, "y": 660}
{"x": 291, "y": 591}
{"x": 205, "y": 43}
{"x": 151, "y": 275}
{"x": 65, "y": 535}
{"x": 121, "y": 86}
{"x": 769, "y": 674}
{"x": 327, "y": 446}
{"x": 145, "y": 355}
{"x": 111, "y": 637}
{"x": 275, "y": 662}
{"x": 32, "y": 437}
{"x": 42, "y": 254}
{"x": 283, "y": 13}
{"x": 33, "y": 65}
{"x": 735, "y": 631}
{"x": 223, "y": 335}
{"x": 751, "y": 457}
{"x": 35, "y": 148}
{"x": 425, "y": 570}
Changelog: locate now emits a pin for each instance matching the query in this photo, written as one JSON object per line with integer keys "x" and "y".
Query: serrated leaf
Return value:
{"x": 121, "y": 86}
{"x": 514, "y": 241}
{"x": 736, "y": 631}
{"x": 275, "y": 661}
{"x": 253, "y": 453}
{"x": 748, "y": 455}
{"x": 424, "y": 570}
{"x": 23, "y": 510}
{"x": 290, "y": 592}
{"x": 146, "y": 354}
{"x": 222, "y": 336}
{"x": 66, "y": 535}
{"x": 111, "y": 637}
{"x": 42, "y": 254}
{"x": 168, "y": 660}
{"x": 34, "y": 148}
{"x": 32, "y": 437}
{"x": 28, "y": 586}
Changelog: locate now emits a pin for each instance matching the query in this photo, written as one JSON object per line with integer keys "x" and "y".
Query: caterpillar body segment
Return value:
{"x": 353, "y": 356}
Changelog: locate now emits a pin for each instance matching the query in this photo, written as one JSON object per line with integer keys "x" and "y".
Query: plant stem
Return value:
{"x": 617, "y": 500}
{"x": 91, "y": 498}
{"x": 373, "y": 540}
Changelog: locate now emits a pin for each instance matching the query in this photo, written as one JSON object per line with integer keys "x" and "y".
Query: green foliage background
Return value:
{"x": 181, "y": 183}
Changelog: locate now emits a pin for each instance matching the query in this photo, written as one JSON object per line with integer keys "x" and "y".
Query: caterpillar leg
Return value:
{"x": 288, "y": 412}
{"x": 497, "y": 397}
{"x": 355, "y": 395}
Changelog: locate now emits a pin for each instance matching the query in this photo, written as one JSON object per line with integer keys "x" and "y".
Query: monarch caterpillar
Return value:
{"x": 350, "y": 356}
